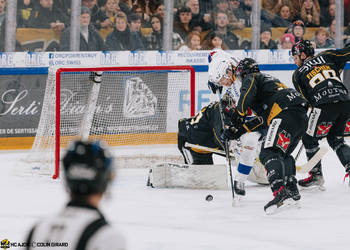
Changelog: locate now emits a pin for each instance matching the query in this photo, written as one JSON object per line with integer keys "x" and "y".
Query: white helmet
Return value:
{"x": 220, "y": 62}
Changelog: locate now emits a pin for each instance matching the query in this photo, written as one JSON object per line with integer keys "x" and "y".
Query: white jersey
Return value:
{"x": 78, "y": 226}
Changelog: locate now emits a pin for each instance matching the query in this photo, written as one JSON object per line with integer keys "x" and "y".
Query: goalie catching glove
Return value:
{"x": 239, "y": 127}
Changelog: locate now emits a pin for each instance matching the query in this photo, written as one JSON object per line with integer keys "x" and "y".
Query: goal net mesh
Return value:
{"x": 121, "y": 106}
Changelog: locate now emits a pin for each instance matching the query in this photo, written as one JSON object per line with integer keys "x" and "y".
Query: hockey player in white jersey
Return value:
{"x": 88, "y": 170}
{"x": 221, "y": 67}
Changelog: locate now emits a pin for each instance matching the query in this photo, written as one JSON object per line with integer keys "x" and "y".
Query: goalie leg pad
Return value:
{"x": 173, "y": 175}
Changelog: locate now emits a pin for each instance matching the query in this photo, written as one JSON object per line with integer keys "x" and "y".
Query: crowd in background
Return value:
{"x": 198, "y": 24}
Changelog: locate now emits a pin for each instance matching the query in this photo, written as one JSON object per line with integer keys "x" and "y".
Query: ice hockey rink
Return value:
{"x": 179, "y": 219}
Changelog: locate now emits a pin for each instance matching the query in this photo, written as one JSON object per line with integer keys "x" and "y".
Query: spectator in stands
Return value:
{"x": 182, "y": 21}
{"x": 193, "y": 42}
{"x": 283, "y": 18}
{"x": 298, "y": 30}
{"x": 24, "y": 8}
{"x": 329, "y": 16}
{"x": 90, "y": 38}
{"x": 111, "y": 8}
{"x": 213, "y": 40}
{"x": 155, "y": 39}
{"x": 236, "y": 22}
{"x": 205, "y": 6}
{"x": 245, "y": 12}
{"x": 331, "y": 31}
{"x": 45, "y": 16}
{"x": 98, "y": 17}
{"x": 159, "y": 9}
{"x": 119, "y": 39}
{"x": 125, "y": 6}
{"x": 223, "y": 6}
{"x": 63, "y": 5}
{"x": 198, "y": 19}
{"x": 145, "y": 19}
{"x": 265, "y": 38}
{"x": 2, "y": 10}
{"x": 230, "y": 39}
{"x": 310, "y": 14}
{"x": 322, "y": 39}
{"x": 273, "y": 7}
{"x": 137, "y": 40}
{"x": 287, "y": 41}
{"x": 146, "y": 6}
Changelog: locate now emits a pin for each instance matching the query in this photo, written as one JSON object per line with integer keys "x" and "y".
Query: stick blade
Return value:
{"x": 313, "y": 161}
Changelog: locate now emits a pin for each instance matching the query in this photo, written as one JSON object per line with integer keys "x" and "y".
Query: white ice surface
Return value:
{"x": 174, "y": 219}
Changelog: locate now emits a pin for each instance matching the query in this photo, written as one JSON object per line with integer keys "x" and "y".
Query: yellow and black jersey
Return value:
{"x": 318, "y": 78}
{"x": 266, "y": 96}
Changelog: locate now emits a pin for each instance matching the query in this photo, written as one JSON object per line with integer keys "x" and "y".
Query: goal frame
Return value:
{"x": 119, "y": 68}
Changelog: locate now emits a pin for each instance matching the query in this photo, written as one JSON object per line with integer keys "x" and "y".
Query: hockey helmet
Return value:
{"x": 88, "y": 167}
{"x": 303, "y": 46}
{"x": 245, "y": 67}
{"x": 220, "y": 63}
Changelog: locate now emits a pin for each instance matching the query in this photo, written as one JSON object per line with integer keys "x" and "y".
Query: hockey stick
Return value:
{"x": 212, "y": 150}
{"x": 301, "y": 168}
{"x": 313, "y": 161}
{"x": 228, "y": 162}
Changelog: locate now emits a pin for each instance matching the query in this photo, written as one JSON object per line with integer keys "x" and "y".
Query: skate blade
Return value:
{"x": 287, "y": 205}
{"x": 312, "y": 188}
{"x": 237, "y": 200}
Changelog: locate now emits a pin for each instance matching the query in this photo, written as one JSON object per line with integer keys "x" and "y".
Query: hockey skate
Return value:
{"x": 292, "y": 188}
{"x": 239, "y": 188}
{"x": 315, "y": 180}
{"x": 282, "y": 201}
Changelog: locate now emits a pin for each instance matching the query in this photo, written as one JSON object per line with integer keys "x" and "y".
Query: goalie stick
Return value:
{"x": 300, "y": 168}
{"x": 212, "y": 150}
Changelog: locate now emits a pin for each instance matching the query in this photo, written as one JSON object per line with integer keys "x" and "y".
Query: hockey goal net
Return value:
{"x": 122, "y": 106}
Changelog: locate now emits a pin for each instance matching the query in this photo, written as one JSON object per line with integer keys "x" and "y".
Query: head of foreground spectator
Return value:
{"x": 287, "y": 41}
{"x": 214, "y": 40}
{"x": 298, "y": 30}
{"x": 265, "y": 34}
{"x": 234, "y": 4}
{"x": 135, "y": 22}
{"x": 156, "y": 22}
{"x": 193, "y": 40}
{"x": 184, "y": 15}
{"x": 120, "y": 21}
{"x": 85, "y": 16}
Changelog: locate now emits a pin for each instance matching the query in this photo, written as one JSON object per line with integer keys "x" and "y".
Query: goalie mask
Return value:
{"x": 88, "y": 168}
{"x": 221, "y": 68}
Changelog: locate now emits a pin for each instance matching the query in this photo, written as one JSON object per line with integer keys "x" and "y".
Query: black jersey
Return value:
{"x": 266, "y": 96}
{"x": 205, "y": 127}
{"x": 318, "y": 78}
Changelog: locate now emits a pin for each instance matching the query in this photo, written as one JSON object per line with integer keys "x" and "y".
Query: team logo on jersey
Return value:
{"x": 5, "y": 244}
{"x": 347, "y": 128}
{"x": 283, "y": 140}
{"x": 323, "y": 129}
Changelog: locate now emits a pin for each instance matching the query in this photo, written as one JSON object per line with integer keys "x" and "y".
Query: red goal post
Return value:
{"x": 122, "y": 106}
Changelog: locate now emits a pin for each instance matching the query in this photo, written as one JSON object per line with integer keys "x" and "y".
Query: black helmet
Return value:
{"x": 303, "y": 46}
{"x": 88, "y": 168}
{"x": 245, "y": 67}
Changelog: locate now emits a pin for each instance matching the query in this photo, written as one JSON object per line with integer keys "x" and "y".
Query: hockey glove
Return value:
{"x": 228, "y": 134}
{"x": 214, "y": 87}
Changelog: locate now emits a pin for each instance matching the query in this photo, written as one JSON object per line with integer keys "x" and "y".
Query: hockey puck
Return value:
{"x": 209, "y": 197}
